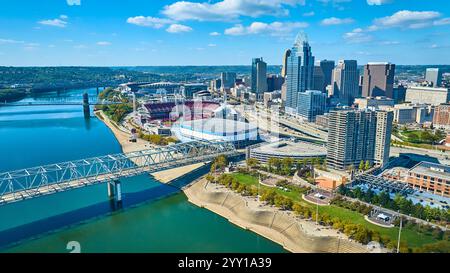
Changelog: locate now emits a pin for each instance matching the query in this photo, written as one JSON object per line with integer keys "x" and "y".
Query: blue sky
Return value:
{"x": 220, "y": 32}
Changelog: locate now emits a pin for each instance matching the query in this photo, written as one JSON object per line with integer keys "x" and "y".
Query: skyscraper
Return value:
{"x": 300, "y": 69}
{"x": 383, "y": 137}
{"x": 286, "y": 55}
{"x": 327, "y": 67}
{"x": 434, "y": 76}
{"x": 345, "y": 81}
{"x": 228, "y": 79}
{"x": 311, "y": 103}
{"x": 378, "y": 80}
{"x": 259, "y": 77}
{"x": 358, "y": 135}
{"x": 318, "y": 79}
{"x": 274, "y": 82}
{"x": 351, "y": 138}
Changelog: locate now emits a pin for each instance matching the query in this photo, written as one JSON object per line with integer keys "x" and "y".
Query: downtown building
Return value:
{"x": 227, "y": 80}
{"x": 259, "y": 78}
{"x": 299, "y": 72}
{"x": 433, "y": 76}
{"x": 378, "y": 80}
{"x": 355, "y": 136}
{"x": 311, "y": 103}
{"x": 345, "y": 83}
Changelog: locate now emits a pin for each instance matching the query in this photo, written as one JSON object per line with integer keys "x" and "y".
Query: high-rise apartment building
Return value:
{"x": 259, "y": 77}
{"x": 311, "y": 103}
{"x": 383, "y": 137}
{"x": 300, "y": 69}
{"x": 378, "y": 80}
{"x": 355, "y": 136}
{"x": 434, "y": 76}
{"x": 345, "y": 81}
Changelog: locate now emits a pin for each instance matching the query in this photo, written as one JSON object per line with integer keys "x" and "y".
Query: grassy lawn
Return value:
{"x": 294, "y": 194}
{"x": 410, "y": 236}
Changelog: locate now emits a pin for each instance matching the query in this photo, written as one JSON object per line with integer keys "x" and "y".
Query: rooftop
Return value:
{"x": 289, "y": 148}
{"x": 432, "y": 169}
{"x": 217, "y": 125}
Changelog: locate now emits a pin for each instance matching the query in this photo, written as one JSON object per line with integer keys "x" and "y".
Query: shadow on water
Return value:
{"x": 36, "y": 229}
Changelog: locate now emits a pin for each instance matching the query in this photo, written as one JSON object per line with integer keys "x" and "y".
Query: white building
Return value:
{"x": 428, "y": 95}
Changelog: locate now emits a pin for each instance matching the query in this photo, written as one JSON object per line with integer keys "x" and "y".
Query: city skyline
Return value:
{"x": 223, "y": 32}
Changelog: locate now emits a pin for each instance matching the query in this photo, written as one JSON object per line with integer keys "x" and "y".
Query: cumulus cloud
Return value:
{"x": 177, "y": 28}
{"x": 227, "y": 10}
{"x": 407, "y": 19}
{"x": 357, "y": 36}
{"x": 215, "y": 33}
{"x": 273, "y": 29}
{"x": 377, "y": 2}
{"x": 309, "y": 14}
{"x": 73, "y": 2}
{"x": 58, "y": 22}
{"x": 336, "y": 21}
{"x": 148, "y": 21}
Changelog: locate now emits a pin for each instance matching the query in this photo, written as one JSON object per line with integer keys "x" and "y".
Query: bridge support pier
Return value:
{"x": 86, "y": 108}
{"x": 115, "y": 194}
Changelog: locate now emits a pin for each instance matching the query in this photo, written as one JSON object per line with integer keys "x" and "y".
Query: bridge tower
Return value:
{"x": 86, "y": 108}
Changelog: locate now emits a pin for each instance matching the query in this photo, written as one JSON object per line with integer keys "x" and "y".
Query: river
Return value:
{"x": 155, "y": 217}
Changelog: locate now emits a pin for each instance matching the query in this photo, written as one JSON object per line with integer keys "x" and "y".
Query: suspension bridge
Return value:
{"x": 109, "y": 169}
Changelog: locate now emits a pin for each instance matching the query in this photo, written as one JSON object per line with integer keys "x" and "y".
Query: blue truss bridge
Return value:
{"x": 109, "y": 169}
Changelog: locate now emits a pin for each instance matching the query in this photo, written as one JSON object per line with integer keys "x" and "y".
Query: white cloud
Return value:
{"x": 273, "y": 29}
{"x": 103, "y": 43}
{"x": 309, "y": 14}
{"x": 215, "y": 33}
{"x": 73, "y": 2}
{"x": 357, "y": 36}
{"x": 177, "y": 28}
{"x": 406, "y": 19}
{"x": 336, "y": 21}
{"x": 389, "y": 42}
{"x": 212, "y": 45}
{"x": 377, "y": 2}
{"x": 227, "y": 10}
{"x": 58, "y": 22}
{"x": 442, "y": 22}
{"x": 149, "y": 21}
{"x": 10, "y": 41}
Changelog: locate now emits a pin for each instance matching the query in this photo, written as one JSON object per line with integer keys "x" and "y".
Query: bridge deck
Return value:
{"x": 43, "y": 180}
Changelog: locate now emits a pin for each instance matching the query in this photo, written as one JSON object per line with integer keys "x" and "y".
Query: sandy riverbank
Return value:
{"x": 294, "y": 234}
{"x": 122, "y": 135}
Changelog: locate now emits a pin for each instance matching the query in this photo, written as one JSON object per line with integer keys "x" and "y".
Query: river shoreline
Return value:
{"x": 296, "y": 236}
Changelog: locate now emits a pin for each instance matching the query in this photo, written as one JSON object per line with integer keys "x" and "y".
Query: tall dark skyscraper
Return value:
{"x": 327, "y": 67}
{"x": 318, "y": 79}
{"x": 378, "y": 80}
{"x": 300, "y": 69}
{"x": 346, "y": 81}
{"x": 259, "y": 77}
